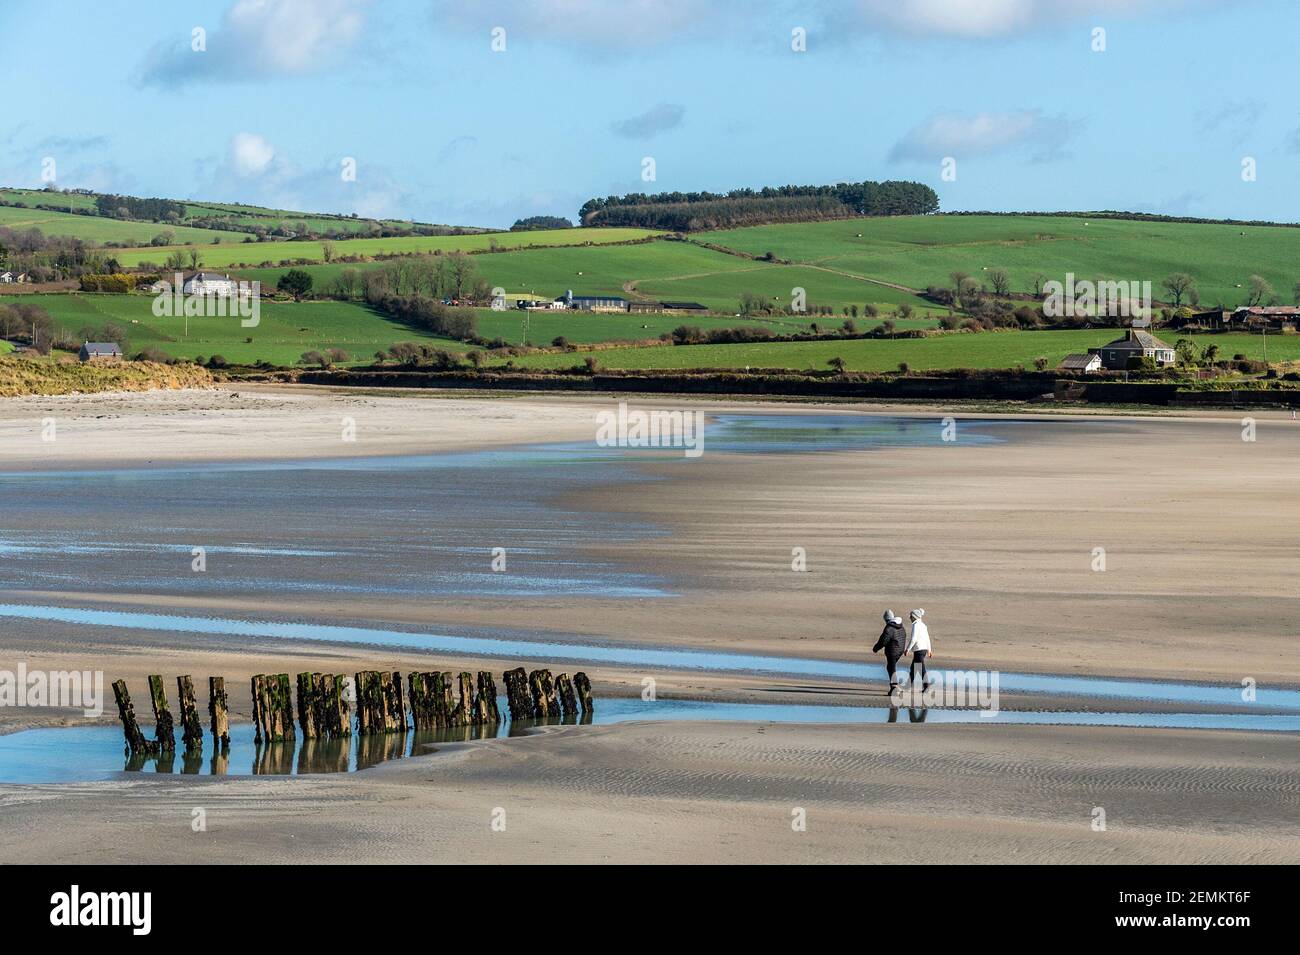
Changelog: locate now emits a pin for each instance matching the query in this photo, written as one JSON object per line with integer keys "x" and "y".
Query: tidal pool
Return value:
{"x": 92, "y": 753}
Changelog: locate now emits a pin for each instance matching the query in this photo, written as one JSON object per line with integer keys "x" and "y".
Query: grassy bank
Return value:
{"x": 24, "y": 376}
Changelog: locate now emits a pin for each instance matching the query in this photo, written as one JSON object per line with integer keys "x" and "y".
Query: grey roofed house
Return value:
{"x": 1084, "y": 363}
{"x": 1136, "y": 344}
{"x": 91, "y": 351}
{"x": 592, "y": 301}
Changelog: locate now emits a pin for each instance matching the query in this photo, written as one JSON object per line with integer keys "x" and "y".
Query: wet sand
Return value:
{"x": 683, "y": 793}
{"x": 997, "y": 542}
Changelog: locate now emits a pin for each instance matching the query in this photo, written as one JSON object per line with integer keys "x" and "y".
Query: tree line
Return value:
{"x": 841, "y": 200}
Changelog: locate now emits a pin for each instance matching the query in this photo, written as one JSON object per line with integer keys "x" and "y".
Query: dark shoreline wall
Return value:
{"x": 1013, "y": 388}
{"x": 1022, "y": 387}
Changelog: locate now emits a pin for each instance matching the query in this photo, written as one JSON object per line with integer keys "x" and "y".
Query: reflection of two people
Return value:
{"x": 915, "y": 714}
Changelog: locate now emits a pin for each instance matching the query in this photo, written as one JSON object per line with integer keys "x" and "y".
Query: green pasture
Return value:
{"x": 255, "y": 253}
{"x": 917, "y": 251}
{"x": 962, "y": 350}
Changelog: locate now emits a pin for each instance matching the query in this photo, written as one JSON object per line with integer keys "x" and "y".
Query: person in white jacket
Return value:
{"x": 919, "y": 646}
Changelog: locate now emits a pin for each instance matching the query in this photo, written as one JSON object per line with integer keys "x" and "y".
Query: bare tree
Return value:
{"x": 1261, "y": 293}
{"x": 1179, "y": 285}
{"x": 1000, "y": 280}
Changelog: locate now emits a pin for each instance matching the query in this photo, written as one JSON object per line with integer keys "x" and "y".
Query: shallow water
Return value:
{"x": 90, "y": 753}
{"x": 521, "y": 647}
{"x": 304, "y": 527}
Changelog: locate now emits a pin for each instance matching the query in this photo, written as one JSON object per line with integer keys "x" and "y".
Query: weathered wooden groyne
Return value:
{"x": 433, "y": 700}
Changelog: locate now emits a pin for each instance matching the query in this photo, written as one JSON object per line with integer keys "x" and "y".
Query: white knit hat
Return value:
{"x": 918, "y": 614}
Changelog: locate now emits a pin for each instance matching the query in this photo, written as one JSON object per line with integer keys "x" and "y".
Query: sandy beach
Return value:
{"x": 1124, "y": 546}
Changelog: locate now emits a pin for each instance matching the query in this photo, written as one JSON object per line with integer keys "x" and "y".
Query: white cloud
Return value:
{"x": 250, "y": 154}
{"x": 593, "y": 24}
{"x": 961, "y": 135}
{"x": 254, "y": 171}
{"x": 596, "y": 25}
{"x": 982, "y": 19}
{"x": 261, "y": 38}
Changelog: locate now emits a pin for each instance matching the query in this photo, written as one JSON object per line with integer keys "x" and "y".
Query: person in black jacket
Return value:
{"x": 893, "y": 640}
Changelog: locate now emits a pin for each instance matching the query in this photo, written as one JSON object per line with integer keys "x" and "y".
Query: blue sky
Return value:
{"x": 444, "y": 128}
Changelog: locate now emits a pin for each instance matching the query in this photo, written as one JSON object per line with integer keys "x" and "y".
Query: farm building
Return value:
{"x": 209, "y": 283}
{"x": 1266, "y": 316}
{"x": 10, "y": 278}
{"x": 100, "y": 351}
{"x": 1213, "y": 319}
{"x": 593, "y": 303}
{"x": 1137, "y": 344}
{"x": 666, "y": 307}
{"x": 1085, "y": 364}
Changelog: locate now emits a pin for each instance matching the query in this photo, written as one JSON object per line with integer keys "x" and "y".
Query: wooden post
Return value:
{"x": 447, "y": 705}
{"x": 583, "y": 686}
{"x": 135, "y": 740}
{"x": 308, "y": 708}
{"x": 418, "y": 701}
{"x": 165, "y": 728}
{"x": 259, "y": 718}
{"x": 543, "y": 692}
{"x": 518, "y": 700}
{"x": 218, "y": 711}
{"x": 486, "y": 711}
{"x": 364, "y": 708}
{"x": 282, "y": 698}
{"x": 564, "y": 690}
{"x": 272, "y": 707}
{"x": 191, "y": 726}
{"x": 394, "y": 706}
{"x": 337, "y": 720}
{"x": 463, "y": 715}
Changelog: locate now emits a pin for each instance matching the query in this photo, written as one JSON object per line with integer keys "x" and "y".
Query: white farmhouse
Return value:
{"x": 209, "y": 283}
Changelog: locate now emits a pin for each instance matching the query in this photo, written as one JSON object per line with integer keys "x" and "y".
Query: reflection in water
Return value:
{"x": 915, "y": 714}
{"x": 303, "y": 757}
{"x": 95, "y": 752}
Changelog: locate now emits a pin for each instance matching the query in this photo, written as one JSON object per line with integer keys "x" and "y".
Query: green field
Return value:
{"x": 102, "y": 230}
{"x": 582, "y": 328}
{"x": 285, "y": 330}
{"x": 255, "y": 253}
{"x": 234, "y": 212}
{"x": 917, "y": 251}
{"x": 983, "y": 350}
{"x": 667, "y": 270}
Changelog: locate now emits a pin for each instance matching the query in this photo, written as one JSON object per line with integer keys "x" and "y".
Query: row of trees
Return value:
{"x": 541, "y": 222}
{"x": 52, "y": 258}
{"x": 865, "y": 198}
{"x": 1179, "y": 289}
{"x": 720, "y": 213}
{"x": 148, "y": 210}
